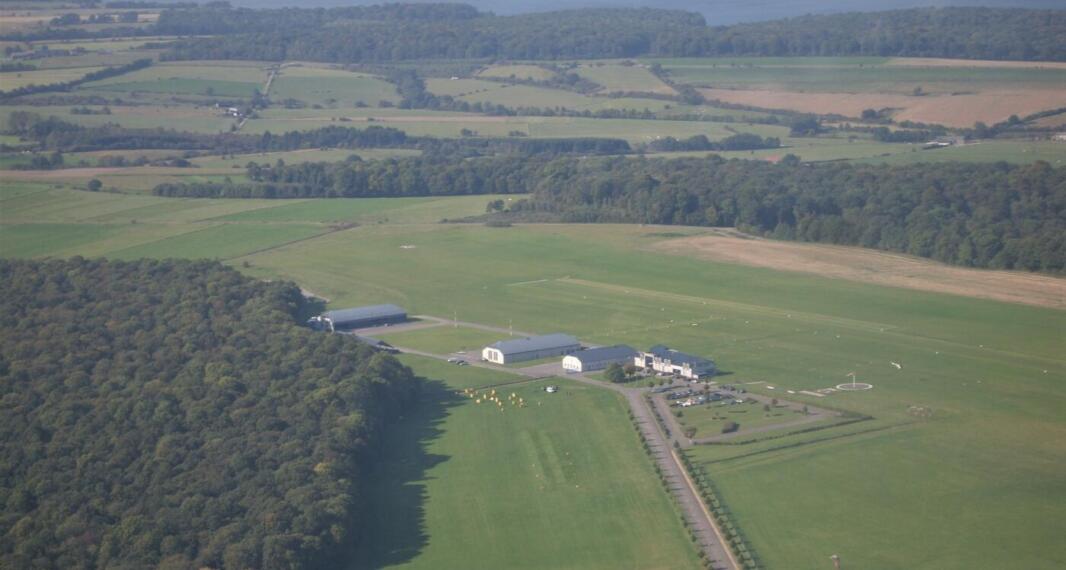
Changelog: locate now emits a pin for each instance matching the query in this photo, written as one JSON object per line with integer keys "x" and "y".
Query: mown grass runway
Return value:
{"x": 559, "y": 483}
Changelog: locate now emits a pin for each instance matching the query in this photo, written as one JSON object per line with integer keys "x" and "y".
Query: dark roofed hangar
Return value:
{"x": 359, "y": 317}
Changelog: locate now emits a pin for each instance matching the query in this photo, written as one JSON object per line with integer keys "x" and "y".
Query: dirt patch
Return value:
{"x": 961, "y": 110}
{"x": 871, "y": 266}
{"x": 975, "y": 63}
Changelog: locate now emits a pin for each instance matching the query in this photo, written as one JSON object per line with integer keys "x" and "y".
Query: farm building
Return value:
{"x": 531, "y": 348}
{"x": 358, "y": 317}
{"x": 669, "y": 361}
{"x": 598, "y": 358}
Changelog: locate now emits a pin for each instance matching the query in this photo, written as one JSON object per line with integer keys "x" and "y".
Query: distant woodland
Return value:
{"x": 166, "y": 414}
{"x": 449, "y": 31}
{"x": 980, "y": 215}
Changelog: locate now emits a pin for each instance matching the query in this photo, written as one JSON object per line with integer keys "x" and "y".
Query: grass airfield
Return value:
{"x": 971, "y": 480}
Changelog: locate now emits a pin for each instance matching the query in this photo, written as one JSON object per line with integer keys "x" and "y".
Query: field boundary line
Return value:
{"x": 288, "y": 243}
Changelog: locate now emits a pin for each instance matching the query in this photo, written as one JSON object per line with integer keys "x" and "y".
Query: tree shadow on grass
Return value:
{"x": 393, "y": 516}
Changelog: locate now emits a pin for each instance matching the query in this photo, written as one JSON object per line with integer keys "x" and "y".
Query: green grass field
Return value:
{"x": 331, "y": 87}
{"x": 216, "y": 87}
{"x": 560, "y": 483}
{"x": 15, "y": 79}
{"x": 851, "y": 75}
{"x": 443, "y": 339}
{"x": 517, "y": 71}
{"x": 625, "y": 78}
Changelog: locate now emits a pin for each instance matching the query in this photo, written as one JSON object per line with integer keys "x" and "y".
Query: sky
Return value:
{"x": 716, "y": 12}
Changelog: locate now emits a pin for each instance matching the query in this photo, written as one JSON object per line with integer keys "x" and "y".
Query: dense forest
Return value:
{"x": 981, "y": 215}
{"x": 170, "y": 414}
{"x": 449, "y": 31}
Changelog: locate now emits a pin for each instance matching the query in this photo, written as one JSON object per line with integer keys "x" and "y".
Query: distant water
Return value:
{"x": 717, "y": 12}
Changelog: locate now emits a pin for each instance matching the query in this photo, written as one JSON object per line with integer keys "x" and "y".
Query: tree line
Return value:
{"x": 105, "y": 73}
{"x": 430, "y": 176}
{"x": 53, "y": 133}
{"x": 445, "y": 31}
{"x": 171, "y": 414}
{"x": 980, "y": 215}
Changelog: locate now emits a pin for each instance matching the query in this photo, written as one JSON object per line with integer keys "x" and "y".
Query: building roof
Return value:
{"x": 616, "y": 352}
{"x": 530, "y": 344}
{"x": 364, "y": 313}
{"x": 697, "y": 363}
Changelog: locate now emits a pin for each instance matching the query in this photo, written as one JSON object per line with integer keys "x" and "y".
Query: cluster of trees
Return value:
{"x": 73, "y": 19}
{"x": 56, "y": 134}
{"x": 448, "y": 31}
{"x": 105, "y": 73}
{"x": 41, "y": 162}
{"x": 355, "y": 178}
{"x": 981, "y": 215}
{"x": 740, "y": 141}
{"x": 170, "y": 414}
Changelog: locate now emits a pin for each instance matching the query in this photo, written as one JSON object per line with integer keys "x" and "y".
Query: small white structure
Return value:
{"x": 598, "y": 358}
{"x": 669, "y": 361}
{"x": 531, "y": 348}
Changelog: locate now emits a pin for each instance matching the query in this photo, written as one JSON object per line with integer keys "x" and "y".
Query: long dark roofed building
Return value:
{"x": 359, "y": 317}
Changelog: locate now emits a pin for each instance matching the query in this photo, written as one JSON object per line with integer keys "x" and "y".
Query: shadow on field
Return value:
{"x": 394, "y": 513}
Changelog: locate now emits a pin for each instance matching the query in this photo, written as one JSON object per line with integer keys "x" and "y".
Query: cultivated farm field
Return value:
{"x": 956, "y": 93}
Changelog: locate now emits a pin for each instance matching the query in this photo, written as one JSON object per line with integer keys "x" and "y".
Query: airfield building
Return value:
{"x": 531, "y": 348}
{"x": 669, "y": 361}
{"x": 598, "y": 358}
{"x": 358, "y": 317}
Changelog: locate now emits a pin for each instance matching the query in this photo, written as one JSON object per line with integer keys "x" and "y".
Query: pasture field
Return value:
{"x": 238, "y": 71}
{"x": 223, "y": 79}
{"x": 854, "y": 75}
{"x": 15, "y": 79}
{"x": 195, "y": 119}
{"x": 443, "y": 339}
{"x": 517, "y": 71}
{"x": 625, "y": 78}
{"x": 560, "y": 483}
{"x": 213, "y": 87}
{"x": 331, "y": 87}
{"x": 474, "y": 91}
